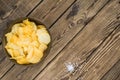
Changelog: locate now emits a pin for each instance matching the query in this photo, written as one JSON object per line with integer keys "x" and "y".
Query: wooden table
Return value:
{"x": 85, "y": 39}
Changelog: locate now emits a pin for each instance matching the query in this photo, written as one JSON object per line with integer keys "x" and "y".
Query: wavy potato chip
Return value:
{"x": 27, "y": 42}
{"x": 43, "y": 36}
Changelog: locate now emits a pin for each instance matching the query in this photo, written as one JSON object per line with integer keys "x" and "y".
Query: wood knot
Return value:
{"x": 74, "y": 11}
{"x": 71, "y": 25}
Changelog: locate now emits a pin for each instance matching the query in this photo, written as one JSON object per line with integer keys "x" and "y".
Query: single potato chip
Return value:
{"x": 21, "y": 60}
{"x": 43, "y": 36}
{"x": 43, "y": 47}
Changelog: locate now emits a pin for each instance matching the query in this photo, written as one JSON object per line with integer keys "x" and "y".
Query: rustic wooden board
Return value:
{"x": 104, "y": 58}
{"x": 97, "y": 38}
{"x": 50, "y": 11}
{"x": 118, "y": 78}
{"x": 10, "y": 10}
{"x": 113, "y": 73}
{"x": 60, "y": 37}
{"x": 6, "y": 8}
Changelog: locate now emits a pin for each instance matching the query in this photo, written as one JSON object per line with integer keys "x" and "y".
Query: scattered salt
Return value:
{"x": 70, "y": 67}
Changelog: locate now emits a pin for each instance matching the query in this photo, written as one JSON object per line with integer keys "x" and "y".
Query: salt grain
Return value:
{"x": 70, "y": 67}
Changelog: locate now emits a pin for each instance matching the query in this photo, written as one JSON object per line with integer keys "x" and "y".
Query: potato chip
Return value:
{"x": 35, "y": 56}
{"x": 21, "y": 60}
{"x": 27, "y": 42}
{"x": 41, "y": 27}
{"x": 43, "y": 47}
{"x": 15, "y": 28}
{"x": 43, "y": 36}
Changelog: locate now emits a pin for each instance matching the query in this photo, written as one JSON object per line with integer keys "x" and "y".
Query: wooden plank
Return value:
{"x": 6, "y": 7}
{"x": 16, "y": 8}
{"x": 49, "y": 11}
{"x": 113, "y": 73}
{"x": 10, "y": 10}
{"x": 64, "y": 24}
{"x": 104, "y": 58}
{"x": 86, "y": 42}
{"x": 118, "y": 78}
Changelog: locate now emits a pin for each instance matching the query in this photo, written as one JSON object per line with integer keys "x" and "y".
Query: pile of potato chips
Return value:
{"x": 27, "y": 42}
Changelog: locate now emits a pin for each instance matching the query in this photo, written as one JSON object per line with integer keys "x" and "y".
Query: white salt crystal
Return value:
{"x": 70, "y": 67}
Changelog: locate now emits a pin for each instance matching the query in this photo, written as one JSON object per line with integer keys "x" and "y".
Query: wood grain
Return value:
{"x": 59, "y": 38}
{"x": 50, "y": 11}
{"x": 118, "y": 78}
{"x": 104, "y": 58}
{"x": 6, "y": 8}
{"x": 10, "y": 10}
{"x": 113, "y": 73}
{"x": 95, "y": 35}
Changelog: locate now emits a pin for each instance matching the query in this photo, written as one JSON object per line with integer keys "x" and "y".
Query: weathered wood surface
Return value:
{"x": 25, "y": 70}
{"x": 50, "y": 11}
{"x": 118, "y": 78}
{"x": 94, "y": 38}
{"x": 83, "y": 32}
{"x": 114, "y": 72}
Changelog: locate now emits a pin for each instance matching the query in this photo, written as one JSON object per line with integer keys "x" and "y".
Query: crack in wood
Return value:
{"x": 34, "y": 8}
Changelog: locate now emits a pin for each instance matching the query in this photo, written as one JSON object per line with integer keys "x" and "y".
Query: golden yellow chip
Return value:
{"x": 43, "y": 36}
{"x": 27, "y": 42}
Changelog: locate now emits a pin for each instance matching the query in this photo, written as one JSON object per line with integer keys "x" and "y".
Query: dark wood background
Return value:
{"x": 85, "y": 33}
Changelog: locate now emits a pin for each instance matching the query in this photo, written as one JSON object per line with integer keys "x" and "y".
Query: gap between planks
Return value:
{"x": 113, "y": 73}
